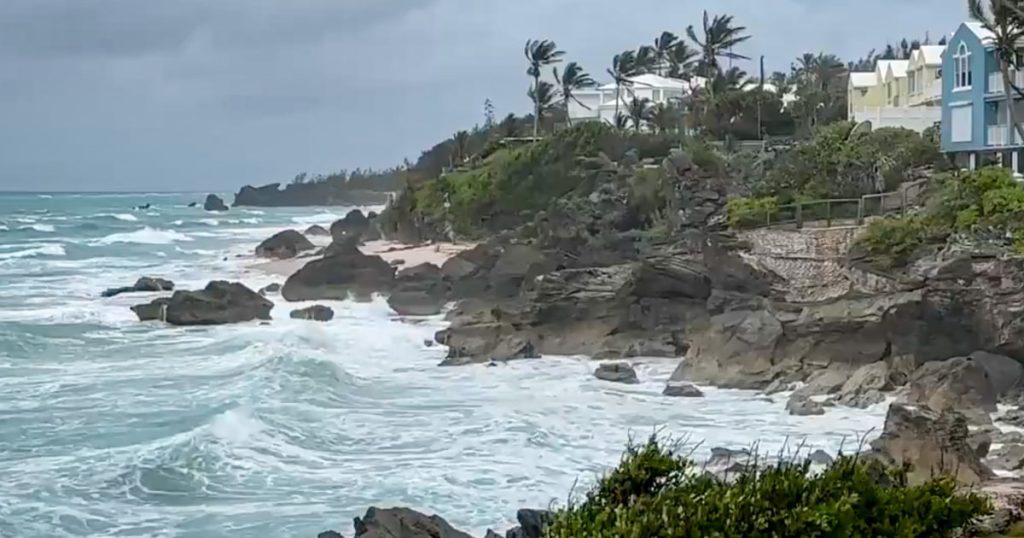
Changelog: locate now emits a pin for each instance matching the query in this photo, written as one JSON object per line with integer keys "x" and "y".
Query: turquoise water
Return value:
{"x": 110, "y": 427}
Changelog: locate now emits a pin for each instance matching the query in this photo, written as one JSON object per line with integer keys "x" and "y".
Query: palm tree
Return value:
{"x": 639, "y": 109}
{"x": 460, "y": 147}
{"x": 508, "y": 127}
{"x": 664, "y": 48}
{"x": 543, "y": 97}
{"x": 571, "y": 79}
{"x": 718, "y": 39}
{"x": 623, "y": 67}
{"x": 621, "y": 121}
{"x": 540, "y": 53}
{"x": 663, "y": 117}
{"x": 646, "y": 60}
{"x": 1003, "y": 19}
{"x": 681, "y": 61}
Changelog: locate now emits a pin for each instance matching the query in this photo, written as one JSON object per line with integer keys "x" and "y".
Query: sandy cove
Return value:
{"x": 392, "y": 252}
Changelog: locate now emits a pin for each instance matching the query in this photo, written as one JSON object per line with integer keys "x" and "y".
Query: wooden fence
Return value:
{"x": 843, "y": 211}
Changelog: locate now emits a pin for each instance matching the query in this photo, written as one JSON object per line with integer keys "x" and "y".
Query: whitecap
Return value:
{"x": 178, "y": 223}
{"x": 145, "y": 236}
{"x": 236, "y": 426}
{"x": 55, "y": 249}
{"x": 254, "y": 211}
{"x": 46, "y": 228}
{"x": 46, "y": 196}
{"x": 127, "y": 217}
{"x": 319, "y": 218}
{"x": 210, "y": 222}
{"x": 4, "y": 228}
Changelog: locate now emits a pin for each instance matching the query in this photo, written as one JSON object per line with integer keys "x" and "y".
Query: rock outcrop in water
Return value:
{"x": 283, "y": 245}
{"x": 219, "y": 303}
{"x": 314, "y": 313}
{"x": 408, "y": 523}
{"x": 214, "y": 203}
{"x": 419, "y": 291}
{"x": 144, "y": 284}
{"x": 344, "y": 271}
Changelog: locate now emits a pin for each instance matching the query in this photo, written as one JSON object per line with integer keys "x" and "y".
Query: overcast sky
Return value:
{"x": 211, "y": 94}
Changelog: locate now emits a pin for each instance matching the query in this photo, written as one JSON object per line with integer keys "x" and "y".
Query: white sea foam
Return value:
{"x": 210, "y": 222}
{"x": 145, "y": 236}
{"x": 44, "y": 228}
{"x": 319, "y": 218}
{"x": 45, "y": 196}
{"x": 4, "y": 228}
{"x": 53, "y": 249}
{"x": 127, "y": 217}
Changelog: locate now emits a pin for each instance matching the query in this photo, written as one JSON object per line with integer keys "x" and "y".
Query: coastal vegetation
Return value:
{"x": 657, "y": 492}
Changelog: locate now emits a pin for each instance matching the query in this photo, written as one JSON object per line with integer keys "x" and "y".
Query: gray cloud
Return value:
{"x": 129, "y": 94}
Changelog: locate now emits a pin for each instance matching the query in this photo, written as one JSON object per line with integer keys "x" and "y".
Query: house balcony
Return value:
{"x": 995, "y": 82}
{"x": 998, "y": 136}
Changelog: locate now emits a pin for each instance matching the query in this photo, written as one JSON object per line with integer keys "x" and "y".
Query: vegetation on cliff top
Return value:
{"x": 656, "y": 492}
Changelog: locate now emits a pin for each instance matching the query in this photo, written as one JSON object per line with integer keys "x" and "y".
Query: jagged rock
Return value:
{"x": 419, "y": 291}
{"x": 618, "y": 372}
{"x": 928, "y": 442}
{"x": 468, "y": 271}
{"x": 314, "y": 313}
{"x": 403, "y": 523}
{"x": 723, "y": 457}
{"x": 777, "y": 386}
{"x": 342, "y": 272}
{"x": 270, "y": 288}
{"x": 1013, "y": 417}
{"x": 827, "y": 381}
{"x": 218, "y": 303}
{"x": 531, "y": 523}
{"x": 144, "y": 284}
{"x": 803, "y": 406}
{"x": 682, "y": 390}
{"x": 980, "y": 439}
{"x": 316, "y": 229}
{"x": 515, "y": 265}
{"x": 960, "y": 384}
{"x": 214, "y": 203}
{"x": 736, "y": 351}
{"x": 491, "y": 534}
{"x": 864, "y": 387}
{"x": 353, "y": 224}
{"x": 820, "y": 457}
{"x": 283, "y": 245}
{"x": 1006, "y": 374}
{"x": 329, "y": 534}
{"x": 1007, "y": 458}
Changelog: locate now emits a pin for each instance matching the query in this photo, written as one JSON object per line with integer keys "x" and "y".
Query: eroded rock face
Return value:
{"x": 959, "y": 384}
{"x": 218, "y": 303}
{"x": 283, "y": 245}
{"x": 617, "y": 372}
{"x": 735, "y": 352}
{"x": 419, "y": 291}
{"x": 314, "y": 313}
{"x": 214, "y": 203}
{"x": 403, "y": 523}
{"x": 142, "y": 285}
{"x": 929, "y": 443}
{"x": 342, "y": 272}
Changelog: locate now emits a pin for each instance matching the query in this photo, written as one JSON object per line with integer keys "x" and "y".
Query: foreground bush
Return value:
{"x": 656, "y": 493}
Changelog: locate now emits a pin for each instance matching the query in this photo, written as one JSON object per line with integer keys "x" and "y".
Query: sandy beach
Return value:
{"x": 399, "y": 254}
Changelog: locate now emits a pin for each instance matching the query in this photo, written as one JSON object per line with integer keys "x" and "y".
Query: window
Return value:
{"x": 657, "y": 96}
{"x": 962, "y": 78}
{"x": 961, "y": 119}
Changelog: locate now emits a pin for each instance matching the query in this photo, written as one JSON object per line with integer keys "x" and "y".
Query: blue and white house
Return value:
{"x": 976, "y": 126}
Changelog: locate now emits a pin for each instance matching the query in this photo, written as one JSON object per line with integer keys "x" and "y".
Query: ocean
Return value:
{"x": 111, "y": 427}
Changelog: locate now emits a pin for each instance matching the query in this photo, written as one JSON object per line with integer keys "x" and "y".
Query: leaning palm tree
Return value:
{"x": 623, "y": 67}
{"x": 1003, "y": 19}
{"x": 646, "y": 60}
{"x": 570, "y": 80}
{"x": 664, "y": 47}
{"x": 540, "y": 53}
{"x": 639, "y": 110}
{"x": 717, "y": 41}
{"x": 544, "y": 98}
{"x": 621, "y": 121}
{"x": 460, "y": 147}
{"x": 664, "y": 117}
{"x": 680, "y": 62}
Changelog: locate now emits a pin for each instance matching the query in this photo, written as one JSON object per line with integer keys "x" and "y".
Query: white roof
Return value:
{"x": 898, "y": 67}
{"x": 930, "y": 54}
{"x": 863, "y": 80}
{"x": 979, "y": 30}
{"x": 651, "y": 81}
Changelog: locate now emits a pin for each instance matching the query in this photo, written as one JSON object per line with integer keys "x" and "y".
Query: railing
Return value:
{"x": 996, "y": 135}
{"x": 995, "y": 81}
{"x": 847, "y": 211}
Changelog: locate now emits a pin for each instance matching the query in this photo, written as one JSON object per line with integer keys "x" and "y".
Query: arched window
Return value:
{"x": 962, "y": 78}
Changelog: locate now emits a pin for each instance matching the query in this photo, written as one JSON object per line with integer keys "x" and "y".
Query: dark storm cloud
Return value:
{"x": 190, "y": 94}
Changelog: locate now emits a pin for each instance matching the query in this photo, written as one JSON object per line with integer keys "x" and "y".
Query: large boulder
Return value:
{"x": 1006, "y": 374}
{"x": 960, "y": 384}
{"x": 682, "y": 390}
{"x": 214, "y": 203}
{"x": 515, "y": 265}
{"x": 144, "y": 284}
{"x": 353, "y": 224}
{"x": 419, "y": 291}
{"x": 531, "y": 523}
{"x": 316, "y": 230}
{"x": 800, "y": 405}
{"x": 865, "y": 386}
{"x": 403, "y": 523}
{"x": 343, "y": 272}
{"x": 314, "y": 313}
{"x": 617, "y": 372}
{"x": 735, "y": 352}
{"x": 928, "y": 443}
{"x": 218, "y": 303}
{"x": 283, "y": 245}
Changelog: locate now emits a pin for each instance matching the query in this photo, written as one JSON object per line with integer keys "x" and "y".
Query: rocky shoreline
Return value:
{"x": 943, "y": 339}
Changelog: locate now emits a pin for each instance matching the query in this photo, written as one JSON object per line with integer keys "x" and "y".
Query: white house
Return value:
{"x": 900, "y": 93}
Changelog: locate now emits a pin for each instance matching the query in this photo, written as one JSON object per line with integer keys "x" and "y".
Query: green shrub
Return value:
{"x": 656, "y": 493}
{"x": 750, "y": 212}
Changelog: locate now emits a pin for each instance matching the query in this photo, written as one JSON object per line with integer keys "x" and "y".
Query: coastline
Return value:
{"x": 410, "y": 255}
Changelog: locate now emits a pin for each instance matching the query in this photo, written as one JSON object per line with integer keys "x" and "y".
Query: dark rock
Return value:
{"x": 722, "y": 457}
{"x": 1006, "y": 374}
{"x": 403, "y": 523}
{"x": 419, "y": 291}
{"x": 820, "y": 457}
{"x": 214, "y": 203}
{"x": 354, "y": 224}
{"x": 396, "y": 262}
{"x": 927, "y": 443}
{"x": 144, "y": 284}
{"x": 1007, "y": 458}
{"x": 491, "y": 534}
{"x": 617, "y": 372}
{"x": 283, "y": 245}
{"x": 316, "y": 229}
{"x": 193, "y": 204}
{"x": 980, "y": 439}
{"x": 218, "y": 303}
{"x": 1013, "y": 417}
{"x": 270, "y": 288}
{"x": 314, "y": 313}
{"x": 343, "y": 271}
{"x": 961, "y": 384}
{"x": 682, "y": 390}
{"x": 515, "y": 265}
{"x": 736, "y": 351}
{"x": 803, "y": 406}
{"x": 864, "y": 387}
{"x": 143, "y": 207}
{"x": 533, "y": 522}
{"x": 777, "y": 386}
{"x": 329, "y": 534}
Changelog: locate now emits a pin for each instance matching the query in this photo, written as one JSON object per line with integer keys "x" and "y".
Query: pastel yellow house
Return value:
{"x": 924, "y": 76}
{"x": 893, "y": 74}
{"x": 863, "y": 92}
